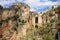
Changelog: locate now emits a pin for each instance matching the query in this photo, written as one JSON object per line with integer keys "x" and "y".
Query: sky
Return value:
{"x": 35, "y": 5}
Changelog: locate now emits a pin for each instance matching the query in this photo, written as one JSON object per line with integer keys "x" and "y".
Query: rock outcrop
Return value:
{"x": 18, "y": 22}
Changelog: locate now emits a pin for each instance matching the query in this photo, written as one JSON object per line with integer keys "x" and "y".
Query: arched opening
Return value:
{"x": 36, "y": 19}
{"x": 36, "y": 26}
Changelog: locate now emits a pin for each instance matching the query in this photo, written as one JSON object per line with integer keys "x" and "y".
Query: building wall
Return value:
{"x": 33, "y": 16}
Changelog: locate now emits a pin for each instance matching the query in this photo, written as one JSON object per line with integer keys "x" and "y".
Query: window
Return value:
{"x": 36, "y": 19}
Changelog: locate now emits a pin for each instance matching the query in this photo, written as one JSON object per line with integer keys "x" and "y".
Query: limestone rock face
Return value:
{"x": 18, "y": 21}
{"x": 13, "y": 19}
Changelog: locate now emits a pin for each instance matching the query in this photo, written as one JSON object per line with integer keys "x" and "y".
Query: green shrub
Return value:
{"x": 52, "y": 21}
{"x": 59, "y": 27}
{"x": 23, "y": 22}
{"x": 48, "y": 37}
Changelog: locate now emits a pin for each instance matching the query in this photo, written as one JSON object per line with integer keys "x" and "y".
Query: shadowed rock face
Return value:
{"x": 14, "y": 19}
{"x": 57, "y": 10}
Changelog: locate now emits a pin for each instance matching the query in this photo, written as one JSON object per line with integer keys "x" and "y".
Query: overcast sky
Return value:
{"x": 35, "y": 5}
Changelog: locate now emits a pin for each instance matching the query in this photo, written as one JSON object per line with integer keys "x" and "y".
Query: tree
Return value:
{"x": 1, "y": 7}
{"x": 52, "y": 7}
